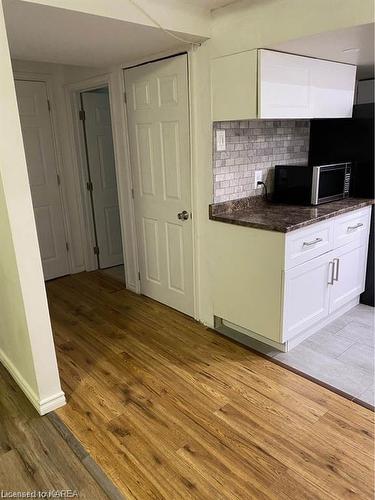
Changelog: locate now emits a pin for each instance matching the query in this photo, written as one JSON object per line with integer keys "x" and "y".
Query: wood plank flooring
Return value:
{"x": 170, "y": 409}
{"x": 33, "y": 455}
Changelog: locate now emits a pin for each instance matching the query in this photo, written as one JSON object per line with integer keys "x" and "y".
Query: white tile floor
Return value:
{"x": 341, "y": 354}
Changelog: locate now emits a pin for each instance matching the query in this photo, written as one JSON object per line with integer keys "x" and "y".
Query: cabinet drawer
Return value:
{"x": 352, "y": 227}
{"x": 308, "y": 243}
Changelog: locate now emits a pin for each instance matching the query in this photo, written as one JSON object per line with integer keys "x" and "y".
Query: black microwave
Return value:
{"x": 311, "y": 185}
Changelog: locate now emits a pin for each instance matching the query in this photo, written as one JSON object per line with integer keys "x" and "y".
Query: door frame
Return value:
{"x": 130, "y": 169}
{"x": 47, "y": 79}
{"x": 80, "y": 167}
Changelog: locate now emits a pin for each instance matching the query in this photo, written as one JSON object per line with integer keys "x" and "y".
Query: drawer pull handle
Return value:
{"x": 336, "y": 267}
{"x": 353, "y": 228}
{"x": 331, "y": 271}
{"x": 314, "y": 242}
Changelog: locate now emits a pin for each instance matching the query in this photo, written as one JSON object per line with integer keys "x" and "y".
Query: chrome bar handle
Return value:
{"x": 353, "y": 228}
{"x": 336, "y": 266}
{"x": 310, "y": 243}
{"x": 331, "y": 267}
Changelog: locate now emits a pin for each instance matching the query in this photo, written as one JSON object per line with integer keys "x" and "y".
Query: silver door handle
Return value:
{"x": 336, "y": 266}
{"x": 331, "y": 268}
{"x": 184, "y": 215}
{"x": 314, "y": 242}
{"x": 353, "y": 228}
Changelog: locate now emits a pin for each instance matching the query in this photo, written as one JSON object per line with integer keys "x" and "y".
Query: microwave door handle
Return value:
{"x": 315, "y": 185}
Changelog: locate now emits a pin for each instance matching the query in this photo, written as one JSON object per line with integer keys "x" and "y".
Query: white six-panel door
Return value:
{"x": 158, "y": 119}
{"x": 101, "y": 163}
{"x": 41, "y": 166}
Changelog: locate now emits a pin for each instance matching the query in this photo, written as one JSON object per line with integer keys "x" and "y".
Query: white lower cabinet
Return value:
{"x": 279, "y": 288}
{"x": 306, "y": 295}
{"x": 321, "y": 286}
{"x": 349, "y": 275}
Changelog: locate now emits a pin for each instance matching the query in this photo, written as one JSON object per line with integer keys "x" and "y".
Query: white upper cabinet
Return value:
{"x": 285, "y": 89}
{"x": 332, "y": 89}
{"x": 267, "y": 84}
{"x": 302, "y": 87}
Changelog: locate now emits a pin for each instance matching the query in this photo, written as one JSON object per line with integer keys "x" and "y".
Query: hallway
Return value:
{"x": 171, "y": 409}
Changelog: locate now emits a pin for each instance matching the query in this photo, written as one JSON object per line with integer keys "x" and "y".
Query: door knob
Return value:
{"x": 184, "y": 215}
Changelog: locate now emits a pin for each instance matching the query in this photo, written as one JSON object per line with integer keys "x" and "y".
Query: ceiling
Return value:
{"x": 47, "y": 34}
{"x": 209, "y": 4}
{"x": 334, "y": 45}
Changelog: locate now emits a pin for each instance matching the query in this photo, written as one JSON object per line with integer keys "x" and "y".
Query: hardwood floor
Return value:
{"x": 33, "y": 455}
{"x": 170, "y": 409}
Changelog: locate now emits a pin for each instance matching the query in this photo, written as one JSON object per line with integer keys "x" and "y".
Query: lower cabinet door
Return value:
{"x": 306, "y": 294}
{"x": 349, "y": 275}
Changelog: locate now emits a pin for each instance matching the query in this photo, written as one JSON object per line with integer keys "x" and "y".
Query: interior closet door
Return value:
{"x": 158, "y": 119}
{"x": 44, "y": 182}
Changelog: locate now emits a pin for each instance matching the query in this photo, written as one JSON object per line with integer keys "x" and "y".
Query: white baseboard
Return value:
{"x": 249, "y": 333}
{"x": 52, "y": 403}
{"x": 132, "y": 287}
{"x": 42, "y": 406}
{"x": 321, "y": 324}
{"x": 221, "y": 324}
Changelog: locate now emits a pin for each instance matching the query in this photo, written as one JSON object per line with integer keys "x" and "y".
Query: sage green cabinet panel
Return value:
{"x": 234, "y": 86}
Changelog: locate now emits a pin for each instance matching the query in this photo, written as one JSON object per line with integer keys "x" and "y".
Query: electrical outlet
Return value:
{"x": 220, "y": 140}
{"x": 258, "y": 178}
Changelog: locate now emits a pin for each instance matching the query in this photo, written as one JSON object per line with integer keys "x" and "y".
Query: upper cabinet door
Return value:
{"x": 285, "y": 89}
{"x": 333, "y": 87}
{"x": 292, "y": 86}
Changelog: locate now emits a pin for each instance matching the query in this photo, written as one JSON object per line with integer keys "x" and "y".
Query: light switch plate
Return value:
{"x": 258, "y": 178}
{"x": 220, "y": 140}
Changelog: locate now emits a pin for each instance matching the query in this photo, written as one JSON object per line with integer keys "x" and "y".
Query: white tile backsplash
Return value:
{"x": 256, "y": 145}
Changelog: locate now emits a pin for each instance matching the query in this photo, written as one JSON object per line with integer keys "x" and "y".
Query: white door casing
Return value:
{"x": 41, "y": 164}
{"x": 101, "y": 163}
{"x": 158, "y": 120}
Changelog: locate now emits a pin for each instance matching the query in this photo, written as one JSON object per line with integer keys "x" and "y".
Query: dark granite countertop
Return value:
{"x": 258, "y": 213}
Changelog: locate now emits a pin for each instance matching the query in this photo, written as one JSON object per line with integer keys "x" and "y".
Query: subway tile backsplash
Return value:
{"x": 256, "y": 145}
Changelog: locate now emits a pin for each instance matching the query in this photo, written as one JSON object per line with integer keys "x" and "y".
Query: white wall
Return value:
{"x": 26, "y": 343}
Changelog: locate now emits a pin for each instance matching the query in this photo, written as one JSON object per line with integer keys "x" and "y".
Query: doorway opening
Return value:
{"x": 101, "y": 182}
